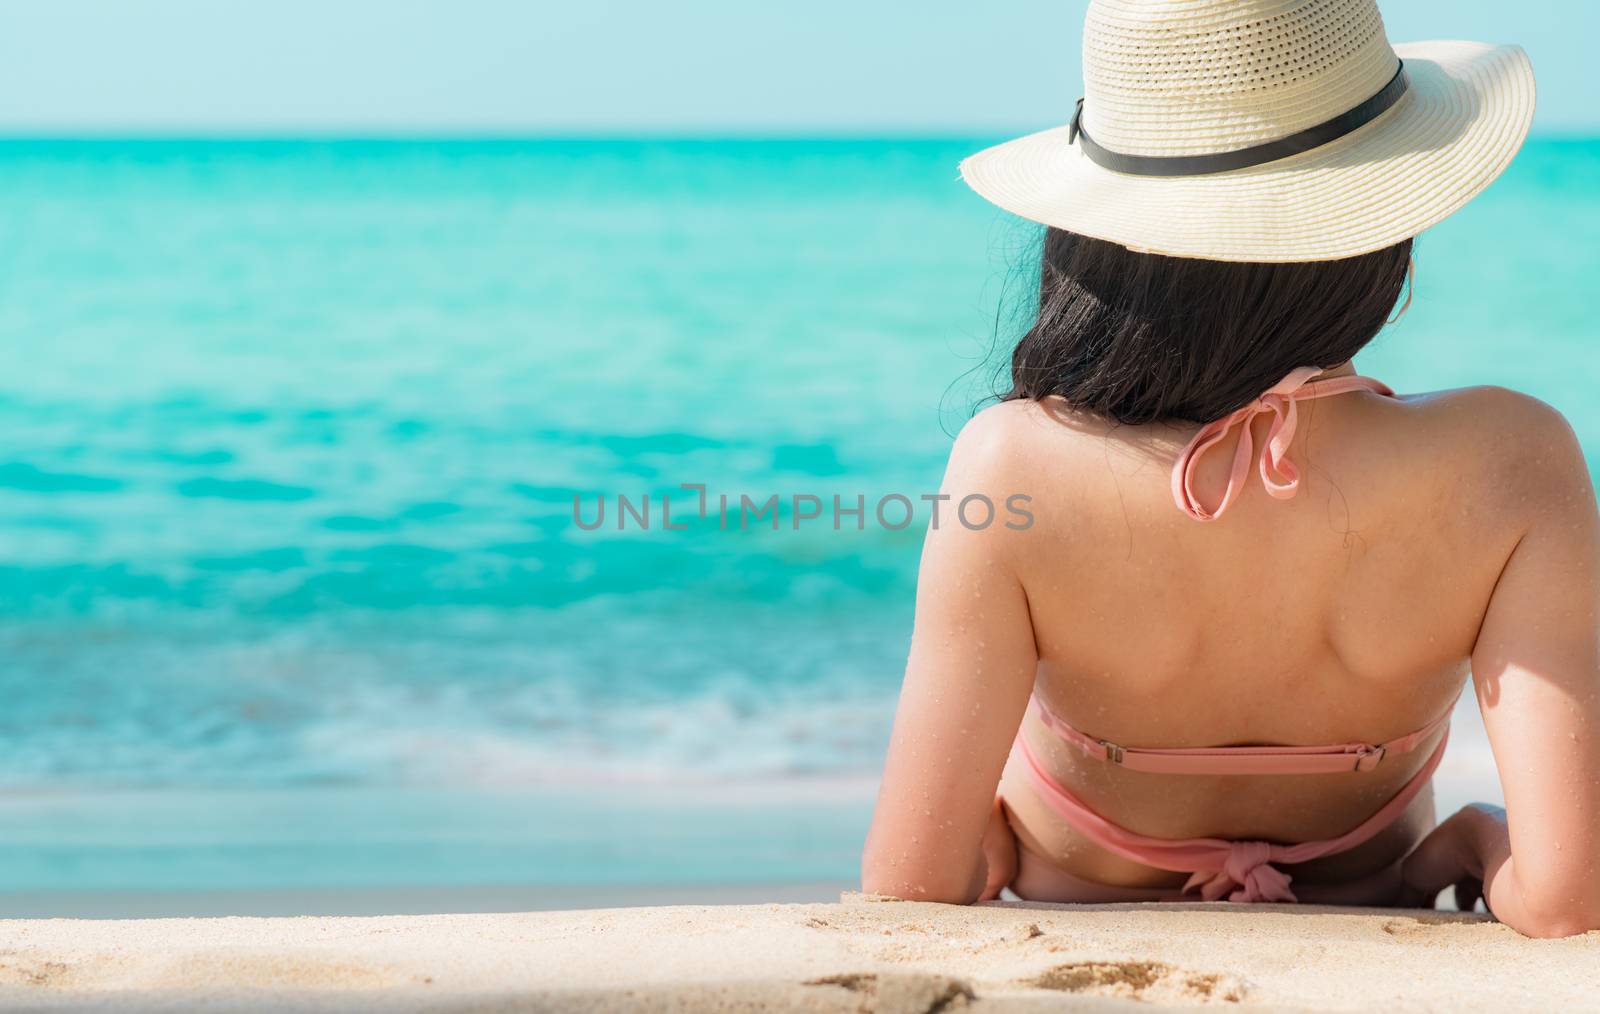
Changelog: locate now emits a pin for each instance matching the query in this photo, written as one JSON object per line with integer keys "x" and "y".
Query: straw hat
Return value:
{"x": 1264, "y": 130}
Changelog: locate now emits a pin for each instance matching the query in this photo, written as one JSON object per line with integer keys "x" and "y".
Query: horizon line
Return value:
{"x": 735, "y": 134}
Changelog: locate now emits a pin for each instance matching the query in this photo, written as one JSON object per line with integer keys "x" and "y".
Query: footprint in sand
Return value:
{"x": 18, "y": 969}
{"x": 891, "y": 993}
{"x": 1443, "y": 924}
{"x": 245, "y": 970}
{"x": 1140, "y": 980}
{"x": 249, "y": 970}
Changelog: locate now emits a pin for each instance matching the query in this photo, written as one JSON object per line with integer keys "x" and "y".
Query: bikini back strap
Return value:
{"x": 1278, "y": 474}
{"x": 1239, "y": 760}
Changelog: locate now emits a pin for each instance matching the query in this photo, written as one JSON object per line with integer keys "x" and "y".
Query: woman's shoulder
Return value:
{"x": 1503, "y": 429}
{"x": 1508, "y": 455}
{"x": 1025, "y": 439}
{"x": 1070, "y": 467}
{"x": 1489, "y": 404}
{"x": 1009, "y": 432}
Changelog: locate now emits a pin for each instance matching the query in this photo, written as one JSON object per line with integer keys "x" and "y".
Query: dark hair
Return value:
{"x": 1139, "y": 336}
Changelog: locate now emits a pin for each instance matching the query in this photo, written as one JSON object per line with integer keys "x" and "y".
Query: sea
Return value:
{"x": 302, "y": 445}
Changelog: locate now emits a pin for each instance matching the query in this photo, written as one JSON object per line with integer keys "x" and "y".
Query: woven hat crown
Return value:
{"x": 1194, "y": 77}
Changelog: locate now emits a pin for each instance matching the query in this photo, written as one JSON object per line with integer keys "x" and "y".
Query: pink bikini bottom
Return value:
{"x": 1218, "y": 868}
{"x": 1040, "y": 879}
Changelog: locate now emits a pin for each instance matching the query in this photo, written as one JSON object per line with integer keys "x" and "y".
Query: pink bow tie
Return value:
{"x": 1246, "y": 875}
{"x": 1278, "y": 474}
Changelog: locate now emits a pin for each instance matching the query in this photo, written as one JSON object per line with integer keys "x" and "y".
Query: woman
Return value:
{"x": 1221, "y": 661}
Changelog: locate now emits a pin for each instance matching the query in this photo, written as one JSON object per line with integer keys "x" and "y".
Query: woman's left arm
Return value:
{"x": 1536, "y": 667}
{"x": 966, "y": 687}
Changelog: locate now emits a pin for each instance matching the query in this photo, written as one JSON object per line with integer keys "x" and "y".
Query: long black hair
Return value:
{"x": 1140, "y": 337}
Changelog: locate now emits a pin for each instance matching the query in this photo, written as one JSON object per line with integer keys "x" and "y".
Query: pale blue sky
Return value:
{"x": 624, "y": 66}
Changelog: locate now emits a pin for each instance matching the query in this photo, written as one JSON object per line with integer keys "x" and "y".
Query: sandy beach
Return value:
{"x": 856, "y": 955}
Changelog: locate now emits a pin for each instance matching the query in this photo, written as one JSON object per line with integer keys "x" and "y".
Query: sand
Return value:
{"x": 857, "y": 955}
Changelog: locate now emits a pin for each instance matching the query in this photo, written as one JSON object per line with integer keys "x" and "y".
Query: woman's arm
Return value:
{"x": 1536, "y": 670}
{"x": 966, "y": 687}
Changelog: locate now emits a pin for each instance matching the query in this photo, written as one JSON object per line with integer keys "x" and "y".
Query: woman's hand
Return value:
{"x": 1472, "y": 851}
{"x": 1456, "y": 854}
{"x": 999, "y": 853}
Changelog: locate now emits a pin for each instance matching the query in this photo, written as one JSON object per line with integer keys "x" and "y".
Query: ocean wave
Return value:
{"x": 470, "y": 698}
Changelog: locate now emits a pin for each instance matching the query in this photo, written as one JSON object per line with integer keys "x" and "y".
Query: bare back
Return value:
{"x": 1352, "y": 612}
{"x": 1347, "y": 613}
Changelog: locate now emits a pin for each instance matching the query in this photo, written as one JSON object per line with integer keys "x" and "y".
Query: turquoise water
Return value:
{"x": 290, "y": 435}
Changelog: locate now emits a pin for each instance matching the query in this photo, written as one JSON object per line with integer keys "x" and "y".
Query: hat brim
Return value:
{"x": 1465, "y": 114}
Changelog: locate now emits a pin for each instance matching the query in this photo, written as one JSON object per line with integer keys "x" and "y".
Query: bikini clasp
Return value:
{"x": 1369, "y": 757}
{"x": 1113, "y": 751}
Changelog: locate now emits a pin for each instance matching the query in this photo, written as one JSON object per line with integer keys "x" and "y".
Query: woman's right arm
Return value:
{"x": 1536, "y": 671}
